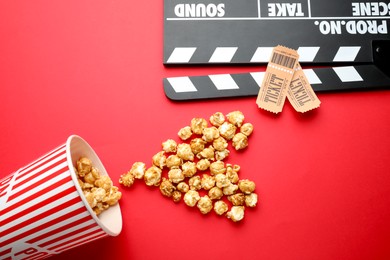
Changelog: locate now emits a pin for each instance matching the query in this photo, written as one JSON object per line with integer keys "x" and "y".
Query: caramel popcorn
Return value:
{"x": 189, "y": 169}
{"x": 220, "y": 144}
{"x": 176, "y": 196}
{"x": 138, "y": 170}
{"x": 152, "y": 176}
{"x": 221, "y": 155}
{"x": 113, "y": 196}
{"x": 215, "y": 193}
{"x": 237, "y": 199}
{"x": 127, "y": 179}
{"x": 236, "y": 118}
{"x": 92, "y": 176}
{"x": 240, "y": 141}
{"x": 230, "y": 189}
{"x": 197, "y": 145}
{"x": 100, "y": 207}
{"x": 173, "y": 161}
{"x": 195, "y": 183}
{"x": 84, "y": 166}
{"x": 205, "y": 149}
{"x": 167, "y": 188}
{"x": 217, "y": 167}
{"x": 175, "y": 175}
{"x": 220, "y": 207}
{"x": 183, "y": 187}
{"x": 185, "y": 133}
{"x": 104, "y": 182}
{"x": 246, "y": 186}
{"x": 198, "y": 124}
{"x": 159, "y": 159}
{"x": 98, "y": 190}
{"x": 232, "y": 173}
{"x": 191, "y": 198}
{"x": 203, "y": 164}
{"x": 207, "y": 153}
{"x": 246, "y": 129}
{"x": 86, "y": 185}
{"x": 184, "y": 152}
{"x": 236, "y": 213}
{"x": 251, "y": 200}
{"x": 227, "y": 130}
{"x": 89, "y": 196}
{"x": 205, "y": 205}
{"x": 169, "y": 146}
{"x": 210, "y": 133}
{"x": 221, "y": 180}
{"x": 207, "y": 182}
{"x": 217, "y": 119}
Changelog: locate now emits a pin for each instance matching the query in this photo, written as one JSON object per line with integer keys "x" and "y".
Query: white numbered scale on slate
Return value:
{"x": 347, "y": 41}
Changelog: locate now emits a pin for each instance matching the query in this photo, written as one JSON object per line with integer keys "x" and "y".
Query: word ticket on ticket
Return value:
{"x": 284, "y": 78}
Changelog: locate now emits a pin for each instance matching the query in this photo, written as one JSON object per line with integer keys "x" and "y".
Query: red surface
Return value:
{"x": 94, "y": 68}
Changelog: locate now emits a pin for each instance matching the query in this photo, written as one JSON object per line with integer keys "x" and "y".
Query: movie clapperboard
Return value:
{"x": 347, "y": 42}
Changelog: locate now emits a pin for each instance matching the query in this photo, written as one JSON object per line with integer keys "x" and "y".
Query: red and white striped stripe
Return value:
{"x": 41, "y": 211}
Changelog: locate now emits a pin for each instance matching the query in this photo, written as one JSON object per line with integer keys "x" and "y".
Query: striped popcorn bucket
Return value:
{"x": 43, "y": 211}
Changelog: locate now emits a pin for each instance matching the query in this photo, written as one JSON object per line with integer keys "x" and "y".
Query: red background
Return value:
{"x": 94, "y": 68}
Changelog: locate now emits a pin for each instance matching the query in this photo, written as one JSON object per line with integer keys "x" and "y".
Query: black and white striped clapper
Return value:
{"x": 331, "y": 32}
{"x": 363, "y": 77}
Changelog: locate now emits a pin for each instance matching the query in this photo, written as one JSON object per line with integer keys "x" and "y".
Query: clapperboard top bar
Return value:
{"x": 245, "y": 31}
{"x": 352, "y": 38}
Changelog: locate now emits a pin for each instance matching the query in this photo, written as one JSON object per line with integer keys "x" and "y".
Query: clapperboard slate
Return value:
{"x": 351, "y": 38}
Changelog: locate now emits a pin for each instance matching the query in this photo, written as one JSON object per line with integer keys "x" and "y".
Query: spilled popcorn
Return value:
{"x": 197, "y": 166}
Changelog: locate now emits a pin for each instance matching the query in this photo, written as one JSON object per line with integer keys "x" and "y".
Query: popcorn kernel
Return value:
{"x": 220, "y": 207}
{"x": 240, "y": 141}
{"x": 191, "y": 198}
{"x": 236, "y": 118}
{"x": 195, "y": 183}
{"x": 84, "y": 166}
{"x": 246, "y": 186}
{"x": 197, "y": 145}
{"x": 210, "y": 133}
{"x": 246, "y": 129}
{"x": 189, "y": 169}
{"x": 167, "y": 188}
{"x": 227, "y": 130}
{"x": 236, "y": 213}
{"x": 184, "y": 152}
{"x": 205, "y": 205}
{"x": 152, "y": 176}
{"x": 217, "y": 119}
{"x": 207, "y": 182}
{"x": 185, "y": 133}
{"x": 215, "y": 193}
{"x": 197, "y": 125}
{"x": 175, "y": 175}
{"x": 159, "y": 159}
{"x": 169, "y": 146}
{"x": 138, "y": 170}
{"x": 251, "y": 200}
{"x": 237, "y": 199}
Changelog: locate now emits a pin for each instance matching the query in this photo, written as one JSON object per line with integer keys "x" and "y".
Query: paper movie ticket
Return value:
{"x": 301, "y": 94}
{"x": 277, "y": 79}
